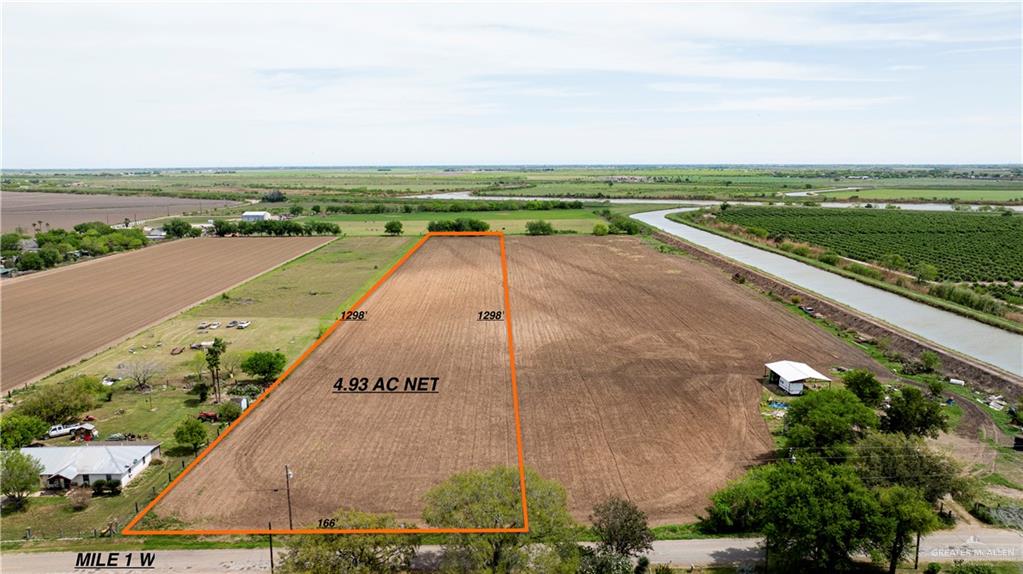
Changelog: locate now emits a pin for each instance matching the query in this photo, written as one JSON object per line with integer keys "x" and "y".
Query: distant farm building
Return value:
{"x": 791, "y": 375}
{"x": 256, "y": 216}
{"x": 64, "y": 466}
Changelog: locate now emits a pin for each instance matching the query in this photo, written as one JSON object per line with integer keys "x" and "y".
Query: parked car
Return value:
{"x": 110, "y": 381}
{"x": 231, "y": 324}
{"x": 204, "y": 325}
{"x": 215, "y": 325}
{"x": 244, "y": 324}
{"x": 61, "y": 430}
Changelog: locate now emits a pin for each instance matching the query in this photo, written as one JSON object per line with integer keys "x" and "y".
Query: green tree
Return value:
{"x": 30, "y": 261}
{"x": 539, "y": 227}
{"x": 191, "y": 432}
{"x": 213, "y": 356}
{"x": 60, "y": 403}
{"x": 935, "y": 387}
{"x": 910, "y": 413}
{"x": 177, "y": 228}
{"x": 393, "y": 227}
{"x": 925, "y": 272}
{"x": 603, "y": 561}
{"x": 317, "y": 209}
{"x": 898, "y": 460}
{"x": 296, "y": 210}
{"x": 352, "y": 554}
{"x": 739, "y": 507}
{"x": 827, "y": 421}
{"x": 18, "y": 430}
{"x": 265, "y": 365}
{"x": 19, "y": 475}
{"x": 229, "y": 411}
{"x": 10, "y": 243}
{"x": 904, "y": 513}
{"x": 621, "y": 527}
{"x": 222, "y": 227}
{"x": 599, "y": 229}
{"x": 818, "y": 512}
{"x": 864, "y": 385}
{"x": 930, "y": 361}
{"x": 491, "y": 499}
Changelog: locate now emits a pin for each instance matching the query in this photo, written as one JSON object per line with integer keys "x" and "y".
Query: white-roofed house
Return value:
{"x": 64, "y": 466}
{"x": 791, "y": 375}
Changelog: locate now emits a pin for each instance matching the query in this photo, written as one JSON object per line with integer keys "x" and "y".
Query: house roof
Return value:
{"x": 256, "y": 213}
{"x": 71, "y": 461}
{"x": 794, "y": 371}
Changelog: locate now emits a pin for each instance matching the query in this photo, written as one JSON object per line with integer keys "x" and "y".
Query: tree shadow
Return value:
{"x": 179, "y": 450}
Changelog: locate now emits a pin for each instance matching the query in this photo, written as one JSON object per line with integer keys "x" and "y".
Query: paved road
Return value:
{"x": 983, "y": 342}
{"x": 964, "y": 543}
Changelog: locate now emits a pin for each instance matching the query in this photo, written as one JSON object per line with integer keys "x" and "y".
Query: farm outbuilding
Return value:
{"x": 256, "y": 216}
{"x": 791, "y": 375}
{"x": 64, "y": 466}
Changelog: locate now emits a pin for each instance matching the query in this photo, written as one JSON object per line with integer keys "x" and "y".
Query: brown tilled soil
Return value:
{"x": 55, "y": 317}
{"x": 374, "y": 452}
{"x": 638, "y": 376}
{"x": 65, "y": 210}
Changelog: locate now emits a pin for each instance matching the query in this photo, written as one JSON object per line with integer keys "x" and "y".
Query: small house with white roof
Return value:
{"x": 791, "y": 375}
{"x": 67, "y": 466}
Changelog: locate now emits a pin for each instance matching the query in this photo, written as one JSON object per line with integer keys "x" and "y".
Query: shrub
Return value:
{"x": 968, "y": 298}
{"x": 229, "y": 411}
{"x": 274, "y": 196}
{"x": 79, "y": 498}
{"x": 460, "y": 224}
{"x": 865, "y": 271}
{"x": 393, "y": 227}
{"x": 828, "y": 257}
{"x": 99, "y": 486}
{"x": 801, "y": 250}
{"x": 599, "y": 229}
{"x": 539, "y": 227}
{"x": 622, "y": 225}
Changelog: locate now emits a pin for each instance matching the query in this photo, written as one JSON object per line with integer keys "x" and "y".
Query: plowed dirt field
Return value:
{"x": 55, "y": 317}
{"x": 374, "y": 452}
{"x": 638, "y": 375}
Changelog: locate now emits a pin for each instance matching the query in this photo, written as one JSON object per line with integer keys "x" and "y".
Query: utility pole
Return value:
{"x": 270, "y": 526}
{"x": 287, "y": 485}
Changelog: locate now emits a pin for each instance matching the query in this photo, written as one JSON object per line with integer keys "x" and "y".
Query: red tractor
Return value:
{"x": 208, "y": 417}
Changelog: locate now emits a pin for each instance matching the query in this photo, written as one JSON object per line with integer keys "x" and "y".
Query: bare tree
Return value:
{"x": 142, "y": 372}
{"x": 230, "y": 364}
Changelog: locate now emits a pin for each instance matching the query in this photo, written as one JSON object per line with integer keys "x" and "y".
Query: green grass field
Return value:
{"x": 722, "y": 182}
{"x": 511, "y": 222}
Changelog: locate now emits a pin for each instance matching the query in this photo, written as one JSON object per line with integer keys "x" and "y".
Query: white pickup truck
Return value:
{"x": 61, "y": 430}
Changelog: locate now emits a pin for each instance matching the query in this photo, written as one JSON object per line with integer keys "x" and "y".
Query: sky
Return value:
{"x": 89, "y": 85}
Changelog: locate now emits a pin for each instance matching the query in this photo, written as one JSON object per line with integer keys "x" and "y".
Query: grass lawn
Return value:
{"x": 511, "y": 222}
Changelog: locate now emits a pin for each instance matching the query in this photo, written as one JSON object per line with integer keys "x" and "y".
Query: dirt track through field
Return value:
{"x": 376, "y": 452}
{"x": 56, "y": 317}
{"x": 638, "y": 376}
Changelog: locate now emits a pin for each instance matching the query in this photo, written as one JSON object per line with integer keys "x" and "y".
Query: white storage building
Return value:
{"x": 791, "y": 375}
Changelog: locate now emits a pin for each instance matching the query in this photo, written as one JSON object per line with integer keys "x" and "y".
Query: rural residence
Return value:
{"x": 64, "y": 466}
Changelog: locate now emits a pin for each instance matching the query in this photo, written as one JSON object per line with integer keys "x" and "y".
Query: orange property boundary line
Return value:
{"x": 129, "y": 528}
